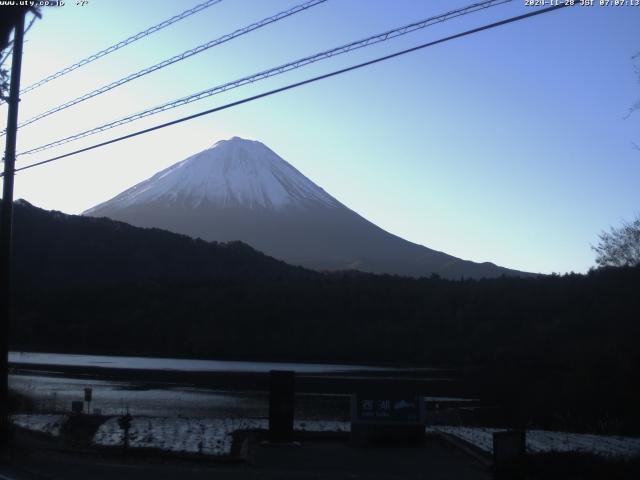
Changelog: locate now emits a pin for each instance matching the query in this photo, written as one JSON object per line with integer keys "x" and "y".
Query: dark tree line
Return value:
{"x": 558, "y": 351}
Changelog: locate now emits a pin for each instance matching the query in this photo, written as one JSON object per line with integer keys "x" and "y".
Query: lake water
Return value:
{"x": 55, "y": 394}
{"x": 155, "y": 363}
{"x": 53, "y": 390}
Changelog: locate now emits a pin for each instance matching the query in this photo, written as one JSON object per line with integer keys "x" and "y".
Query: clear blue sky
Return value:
{"x": 508, "y": 146}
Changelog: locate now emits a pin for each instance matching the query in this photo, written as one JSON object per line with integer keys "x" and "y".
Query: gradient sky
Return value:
{"x": 509, "y": 146}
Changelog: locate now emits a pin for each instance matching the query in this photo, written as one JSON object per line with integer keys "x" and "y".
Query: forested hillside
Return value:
{"x": 557, "y": 350}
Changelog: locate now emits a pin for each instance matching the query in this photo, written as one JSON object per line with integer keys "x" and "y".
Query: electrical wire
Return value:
{"x": 301, "y": 83}
{"x": 380, "y": 37}
{"x": 121, "y": 44}
{"x": 177, "y": 58}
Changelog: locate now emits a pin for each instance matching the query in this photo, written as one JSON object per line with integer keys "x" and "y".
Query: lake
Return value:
{"x": 156, "y": 363}
{"x": 197, "y": 388}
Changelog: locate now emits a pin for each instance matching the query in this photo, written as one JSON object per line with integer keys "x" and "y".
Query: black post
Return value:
{"x": 509, "y": 450}
{"x": 281, "y": 404}
{"x": 6, "y": 215}
{"x": 125, "y": 425}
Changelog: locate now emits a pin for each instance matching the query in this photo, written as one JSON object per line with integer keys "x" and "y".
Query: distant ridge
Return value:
{"x": 56, "y": 250}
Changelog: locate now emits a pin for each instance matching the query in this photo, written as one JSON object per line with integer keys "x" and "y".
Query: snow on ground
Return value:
{"x": 539, "y": 441}
{"x": 49, "y": 424}
{"x": 213, "y": 436}
{"x": 210, "y": 436}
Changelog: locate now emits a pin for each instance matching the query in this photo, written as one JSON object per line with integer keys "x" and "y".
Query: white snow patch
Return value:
{"x": 209, "y": 436}
{"x": 214, "y": 436}
{"x": 539, "y": 441}
{"x": 49, "y": 424}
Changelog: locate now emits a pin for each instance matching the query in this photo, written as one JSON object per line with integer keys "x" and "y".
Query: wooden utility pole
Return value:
{"x": 6, "y": 216}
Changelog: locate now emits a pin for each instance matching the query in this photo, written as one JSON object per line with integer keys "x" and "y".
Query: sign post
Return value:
{"x": 87, "y": 398}
{"x": 281, "y": 405}
{"x": 509, "y": 448}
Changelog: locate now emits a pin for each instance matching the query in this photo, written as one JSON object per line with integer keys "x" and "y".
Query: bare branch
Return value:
{"x": 620, "y": 246}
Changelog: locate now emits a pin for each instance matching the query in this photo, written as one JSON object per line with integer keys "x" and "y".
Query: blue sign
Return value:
{"x": 387, "y": 408}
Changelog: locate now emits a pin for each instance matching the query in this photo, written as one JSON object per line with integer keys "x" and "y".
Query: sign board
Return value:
{"x": 390, "y": 408}
{"x": 77, "y": 406}
{"x": 87, "y": 394}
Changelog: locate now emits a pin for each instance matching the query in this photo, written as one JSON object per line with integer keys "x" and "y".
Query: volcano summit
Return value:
{"x": 242, "y": 190}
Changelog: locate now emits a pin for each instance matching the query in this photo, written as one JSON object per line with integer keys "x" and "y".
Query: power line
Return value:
{"x": 381, "y": 37}
{"x": 299, "y": 84}
{"x": 177, "y": 58}
{"x": 123, "y": 43}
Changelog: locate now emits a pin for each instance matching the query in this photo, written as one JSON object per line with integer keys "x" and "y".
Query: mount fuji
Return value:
{"x": 241, "y": 190}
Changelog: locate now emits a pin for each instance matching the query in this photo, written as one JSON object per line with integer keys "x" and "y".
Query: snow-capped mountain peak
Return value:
{"x": 234, "y": 172}
{"x": 241, "y": 190}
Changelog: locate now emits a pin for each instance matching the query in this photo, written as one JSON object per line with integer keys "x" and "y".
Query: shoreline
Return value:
{"x": 436, "y": 383}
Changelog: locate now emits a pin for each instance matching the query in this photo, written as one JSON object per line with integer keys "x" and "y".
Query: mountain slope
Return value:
{"x": 242, "y": 190}
{"x": 55, "y": 250}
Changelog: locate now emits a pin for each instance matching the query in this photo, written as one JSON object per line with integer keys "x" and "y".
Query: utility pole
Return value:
{"x": 6, "y": 216}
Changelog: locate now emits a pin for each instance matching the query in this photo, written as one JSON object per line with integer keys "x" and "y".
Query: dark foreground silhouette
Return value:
{"x": 551, "y": 351}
